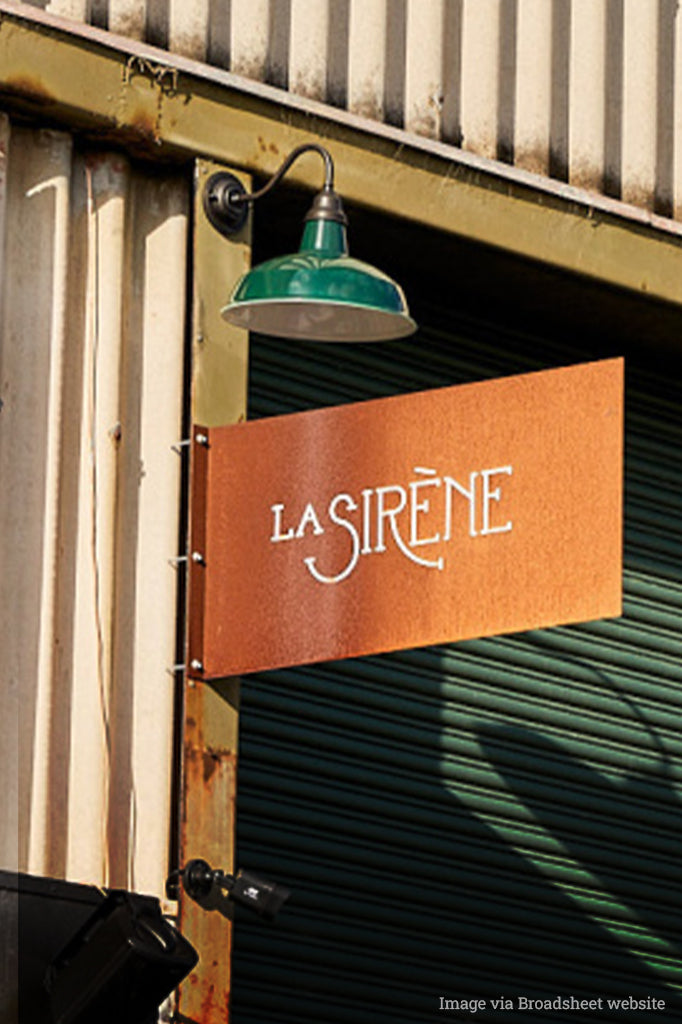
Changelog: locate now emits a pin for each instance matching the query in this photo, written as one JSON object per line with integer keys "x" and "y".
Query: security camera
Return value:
{"x": 203, "y": 884}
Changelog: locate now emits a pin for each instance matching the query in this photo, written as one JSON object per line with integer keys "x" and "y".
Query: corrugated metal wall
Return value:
{"x": 586, "y": 91}
{"x": 496, "y": 818}
{"x": 92, "y": 363}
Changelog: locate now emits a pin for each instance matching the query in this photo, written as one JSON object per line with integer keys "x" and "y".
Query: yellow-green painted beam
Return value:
{"x": 171, "y": 107}
{"x": 219, "y": 350}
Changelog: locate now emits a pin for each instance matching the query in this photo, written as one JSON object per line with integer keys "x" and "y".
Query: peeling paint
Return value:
{"x": 209, "y": 760}
{"x": 212, "y": 761}
{"x": 165, "y": 75}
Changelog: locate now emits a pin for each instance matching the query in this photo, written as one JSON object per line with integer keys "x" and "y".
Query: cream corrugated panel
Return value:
{"x": 676, "y": 184}
{"x": 128, "y": 17}
{"x": 535, "y": 64}
{"x": 587, "y": 91}
{"x": 188, "y": 27}
{"x": 424, "y": 68}
{"x": 31, "y": 361}
{"x": 148, "y": 521}
{"x": 640, "y": 84}
{"x": 308, "y": 56}
{"x": 88, "y": 527}
{"x": 587, "y": 101}
{"x": 367, "y": 58}
{"x": 482, "y": 49}
{"x": 9, "y": 685}
{"x": 77, "y": 9}
{"x": 92, "y": 372}
{"x": 250, "y": 39}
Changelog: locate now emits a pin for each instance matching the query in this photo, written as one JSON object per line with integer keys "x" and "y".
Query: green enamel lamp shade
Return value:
{"x": 320, "y": 293}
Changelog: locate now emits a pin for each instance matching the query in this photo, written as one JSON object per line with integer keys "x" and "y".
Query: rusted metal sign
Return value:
{"x": 432, "y": 517}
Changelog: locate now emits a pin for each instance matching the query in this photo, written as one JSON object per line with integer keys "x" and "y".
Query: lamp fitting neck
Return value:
{"x": 327, "y": 205}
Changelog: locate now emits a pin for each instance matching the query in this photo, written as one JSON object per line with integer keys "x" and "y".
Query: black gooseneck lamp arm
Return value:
{"x": 226, "y": 201}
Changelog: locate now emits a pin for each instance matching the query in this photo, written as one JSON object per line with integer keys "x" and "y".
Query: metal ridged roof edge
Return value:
{"x": 589, "y": 201}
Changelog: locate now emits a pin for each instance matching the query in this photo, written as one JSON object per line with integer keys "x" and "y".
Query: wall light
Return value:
{"x": 319, "y": 293}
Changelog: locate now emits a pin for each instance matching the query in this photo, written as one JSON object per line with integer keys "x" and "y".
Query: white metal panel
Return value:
{"x": 677, "y": 117}
{"x": 249, "y": 37}
{"x": 533, "y": 106}
{"x": 100, "y": 192}
{"x": 587, "y": 104}
{"x": 367, "y": 58}
{"x": 90, "y": 505}
{"x": 308, "y": 48}
{"x": 424, "y": 68}
{"x": 77, "y": 9}
{"x": 640, "y": 101}
{"x": 128, "y": 17}
{"x": 53, "y": 181}
{"x": 188, "y": 28}
{"x": 481, "y": 51}
{"x": 9, "y": 685}
{"x": 31, "y": 358}
{"x": 154, "y": 385}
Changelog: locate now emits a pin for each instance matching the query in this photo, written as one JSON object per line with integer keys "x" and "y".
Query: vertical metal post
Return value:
{"x": 210, "y": 715}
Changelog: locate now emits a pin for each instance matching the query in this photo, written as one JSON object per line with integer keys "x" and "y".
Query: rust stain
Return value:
{"x": 212, "y": 760}
{"x": 208, "y": 1003}
{"x": 29, "y": 87}
{"x": 141, "y": 135}
{"x": 139, "y": 138}
{"x": 145, "y": 126}
{"x": 267, "y": 147}
{"x": 207, "y": 830}
{"x": 215, "y": 1006}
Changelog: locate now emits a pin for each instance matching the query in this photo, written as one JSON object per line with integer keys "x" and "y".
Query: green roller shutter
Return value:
{"x": 493, "y": 819}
